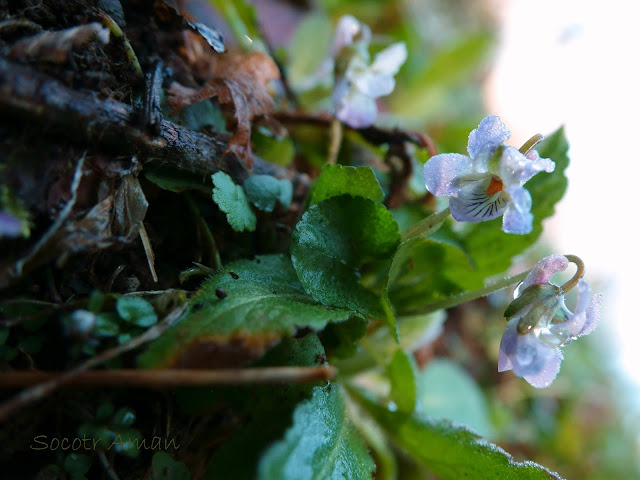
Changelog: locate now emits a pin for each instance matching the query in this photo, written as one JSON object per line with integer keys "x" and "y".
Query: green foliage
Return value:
{"x": 451, "y": 452}
{"x": 77, "y": 464}
{"x": 176, "y": 180}
{"x": 340, "y": 180}
{"x": 163, "y": 467}
{"x": 231, "y": 199}
{"x": 321, "y": 443}
{"x": 402, "y": 375}
{"x": 264, "y": 191}
{"x": 266, "y": 410}
{"x": 446, "y": 391}
{"x": 113, "y": 432}
{"x": 264, "y": 301}
{"x": 137, "y": 311}
{"x": 278, "y": 150}
{"x": 332, "y": 242}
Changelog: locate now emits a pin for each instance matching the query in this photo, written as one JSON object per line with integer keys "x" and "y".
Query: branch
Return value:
{"x": 41, "y": 390}
{"x": 82, "y": 116}
{"x": 174, "y": 377}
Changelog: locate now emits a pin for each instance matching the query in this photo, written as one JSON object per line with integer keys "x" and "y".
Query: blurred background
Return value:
{"x": 538, "y": 65}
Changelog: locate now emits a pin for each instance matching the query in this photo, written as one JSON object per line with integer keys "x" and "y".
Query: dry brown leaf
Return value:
{"x": 238, "y": 80}
{"x": 56, "y": 47}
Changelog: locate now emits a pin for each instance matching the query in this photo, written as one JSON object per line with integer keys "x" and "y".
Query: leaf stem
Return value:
{"x": 426, "y": 226}
{"x": 469, "y": 295}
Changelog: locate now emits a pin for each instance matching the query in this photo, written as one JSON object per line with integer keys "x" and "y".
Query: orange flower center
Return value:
{"x": 495, "y": 186}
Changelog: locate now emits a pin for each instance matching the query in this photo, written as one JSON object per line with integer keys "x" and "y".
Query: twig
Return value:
{"x": 173, "y": 377}
{"x": 64, "y": 214}
{"x": 39, "y": 391}
{"x": 373, "y": 134}
{"x": 148, "y": 251}
{"x": 81, "y": 116}
{"x": 107, "y": 466}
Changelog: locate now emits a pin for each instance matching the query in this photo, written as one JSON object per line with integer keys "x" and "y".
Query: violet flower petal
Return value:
{"x": 517, "y": 217}
{"x": 390, "y": 59}
{"x": 515, "y": 168}
{"x": 473, "y": 204}
{"x": 10, "y": 226}
{"x": 544, "y": 270}
{"x": 548, "y": 373}
{"x": 355, "y": 109}
{"x": 593, "y": 315}
{"x": 441, "y": 171}
{"x": 488, "y": 136}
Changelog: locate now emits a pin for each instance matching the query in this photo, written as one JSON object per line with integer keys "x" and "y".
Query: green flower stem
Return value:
{"x": 532, "y": 142}
{"x": 579, "y": 273}
{"x": 469, "y": 295}
{"x": 426, "y": 226}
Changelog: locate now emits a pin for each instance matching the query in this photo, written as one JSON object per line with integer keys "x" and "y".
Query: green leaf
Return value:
{"x": 491, "y": 249}
{"x": 264, "y": 301}
{"x": 264, "y": 191}
{"x": 402, "y": 375}
{"x": 274, "y": 149}
{"x": 321, "y": 443}
{"x": 176, "y": 180}
{"x": 333, "y": 240}
{"x": 431, "y": 87}
{"x": 308, "y": 48}
{"x": 137, "y": 311}
{"x": 77, "y": 464}
{"x": 451, "y": 452}
{"x": 341, "y": 339}
{"x": 340, "y": 180}
{"x": 415, "y": 331}
{"x": 446, "y": 391}
{"x": 426, "y": 270}
{"x": 163, "y": 467}
{"x": 125, "y": 417}
{"x": 268, "y": 409}
{"x": 231, "y": 199}
{"x": 106, "y": 325}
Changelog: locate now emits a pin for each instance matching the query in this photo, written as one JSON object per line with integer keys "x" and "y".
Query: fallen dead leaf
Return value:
{"x": 237, "y": 80}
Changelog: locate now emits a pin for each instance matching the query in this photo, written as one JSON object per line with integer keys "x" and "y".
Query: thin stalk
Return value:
{"x": 470, "y": 295}
{"x": 426, "y": 226}
{"x": 174, "y": 377}
{"x": 578, "y": 275}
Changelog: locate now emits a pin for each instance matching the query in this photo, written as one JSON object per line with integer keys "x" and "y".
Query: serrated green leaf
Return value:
{"x": 321, "y": 444}
{"x": 402, "y": 375}
{"x": 268, "y": 409}
{"x": 264, "y": 301}
{"x": 231, "y": 199}
{"x": 449, "y": 451}
{"x": 333, "y": 240}
{"x": 137, "y": 311}
{"x": 340, "y": 180}
{"x": 163, "y": 467}
{"x": 264, "y": 191}
{"x": 448, "y": 392}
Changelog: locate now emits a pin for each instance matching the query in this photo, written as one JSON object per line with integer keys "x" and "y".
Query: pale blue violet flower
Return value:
{"x": 539, "y": 323}
{"x": 489, "y": 182}
{"x": 359, "y": 83}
